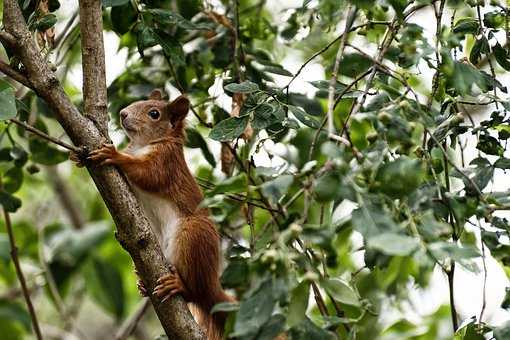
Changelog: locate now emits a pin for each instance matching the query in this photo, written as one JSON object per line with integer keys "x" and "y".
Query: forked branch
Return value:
{"x": 133, "y": 229}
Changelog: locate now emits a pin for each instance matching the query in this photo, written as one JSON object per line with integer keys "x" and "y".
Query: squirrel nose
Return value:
{"x": 123, "y": 114}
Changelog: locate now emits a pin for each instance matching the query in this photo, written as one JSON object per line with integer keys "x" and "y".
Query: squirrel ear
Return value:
{"x": 179, "y": 108}
{"x": 156, "y": 95}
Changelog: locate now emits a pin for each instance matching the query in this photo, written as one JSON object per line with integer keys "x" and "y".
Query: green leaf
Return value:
{"x": 480, "y": 47}
{"x": 167, "y": 17}
{"x": 371, "y": 220}
{"x": 108, "y": 289}
{"x": 68, "y": 248}
{"x": 9, "y": 202}
{"x": 244, "y": 87}
{"x": 490, "y": 145}
{"x": 145, "y": 37}
{"x": 431, "y": 229}
{"x": 12, "y": 179}
{"x": 172, "y": 49}
{"x": 235, "y": 274}
{"x": 341, "y": 292}
{"x": 46, "y": 22}
{"x": 481, "y": 175}
{"x": 43, "y": 153}
{"x": 7, "y": 101}
{"x": 464, "y": 76}
{"x": 326, "y": 187}
{"x": 393, "y": 244}
{"x": 298, "y": 304}
{"x": 502, "y": 163}
{"x": 323, "y": 86}
{"x": 255, "y": 311}
{"x": 195, "y": 140}
{"x": 111, "y": 3}
{"x": 466, "y": 26}
{"x": 19, "y": 155}
{"x": 225, "y": 307}
{"x": 263, "y": 116}
{"x": 472, "y": 331}
{"x": 70, "y": 245}
{"x": 494, "y": 19}
{"x": 307, "y": 330}
{"x": 10, "y": 311}
{"x": 123, "y": 17}
{"x": 502, "y": 57}
{"x": 303, "y": 117}
{"x": 354, "y": 64}
{"x": 278, "y": 187}
{"x": 234, "y": 184}
{"x": 400, "y": 177}
{"x": 189, "y": 8}
{"x": 229, "y": 129}
{"x": 445, "y": 127}
{"x": 277, "y": 70}
{"x": 53, "y": 5}
{"x": 272, "y": 328}
{"x": 445, "y": 250}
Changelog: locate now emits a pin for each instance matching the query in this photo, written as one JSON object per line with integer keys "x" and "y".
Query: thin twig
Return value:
{"x": 332, "y": 82}
{"x": 43, "y": 135}
{"x": 327, "y": 47}
{"x": 452, "y": 163}
{"x": 21, "y": 277}
{"x": 453, "y": 311}
{"x": 484, "y": 289}
{"x": 435, "y": 78}
{"x": 66, "y": 199}
{"x": 12, "y": 73}
{"x": 129, "y": 326}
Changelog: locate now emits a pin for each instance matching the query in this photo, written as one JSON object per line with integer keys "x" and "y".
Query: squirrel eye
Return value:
{"x": 154, "y": 114}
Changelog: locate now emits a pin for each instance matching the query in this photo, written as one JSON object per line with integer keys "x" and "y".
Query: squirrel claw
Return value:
{"x": 104, "y": 155}
{"x": 169, "y": 285}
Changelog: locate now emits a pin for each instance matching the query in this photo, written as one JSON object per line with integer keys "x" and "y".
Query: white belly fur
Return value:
{"x": 164, "y": 218}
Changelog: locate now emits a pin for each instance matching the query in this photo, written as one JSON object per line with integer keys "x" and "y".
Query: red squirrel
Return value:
{"x": 154, "y": 164}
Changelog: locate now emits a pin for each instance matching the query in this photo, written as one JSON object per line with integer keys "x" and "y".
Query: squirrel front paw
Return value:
{"x": 106, "y": 154}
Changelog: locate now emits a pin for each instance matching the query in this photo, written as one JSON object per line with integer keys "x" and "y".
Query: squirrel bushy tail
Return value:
{"x": 212, "y": 324}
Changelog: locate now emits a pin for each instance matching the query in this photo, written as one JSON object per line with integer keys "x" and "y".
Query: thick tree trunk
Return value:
{"x": 133, "y": 229}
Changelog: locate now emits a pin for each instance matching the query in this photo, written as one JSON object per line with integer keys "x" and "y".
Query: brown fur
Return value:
{"x": 162, "y": 170}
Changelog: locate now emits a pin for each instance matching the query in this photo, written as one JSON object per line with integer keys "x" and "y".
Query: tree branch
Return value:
{"x": 332, "y": 82}
{"x": 133, "y": 229}
{"x": 12, "y": 73}
{"x": 21, "y": 277}
{"x": 93, "y": 63}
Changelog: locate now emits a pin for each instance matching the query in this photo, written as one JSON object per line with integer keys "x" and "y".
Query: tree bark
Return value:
{"x": 133, "y": 229}
{"x": 93, "y": 63}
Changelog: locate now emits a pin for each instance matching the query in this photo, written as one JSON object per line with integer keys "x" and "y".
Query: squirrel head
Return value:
{"x": 154, "y": 118}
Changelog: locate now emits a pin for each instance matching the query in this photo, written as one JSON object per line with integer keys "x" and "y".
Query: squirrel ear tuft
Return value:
{"x": 179, "y": 108}
{"x": 156, "y": 95}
